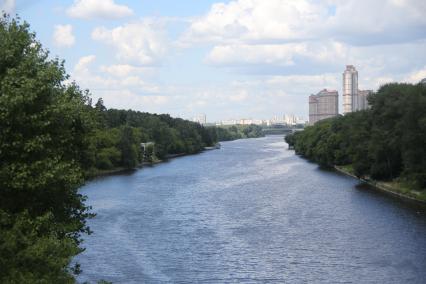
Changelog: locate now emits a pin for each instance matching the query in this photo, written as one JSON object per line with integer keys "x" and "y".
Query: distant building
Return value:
{"x": 350, "y": 89}
{"x": 245, "y": 121}
{"x": 258, "y": 121}
{"x": 423, "y": 81}
{"x": 290, "y": 119}
{"x": 362, "y": 102}
{"x": 353, "y": 98}
{"x": 201, "y": 119}
{"x": 323, "y": 105}
{"x": 228, "y": 122}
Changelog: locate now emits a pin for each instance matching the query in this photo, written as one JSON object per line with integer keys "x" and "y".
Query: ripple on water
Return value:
{"x": 251, "y": 212}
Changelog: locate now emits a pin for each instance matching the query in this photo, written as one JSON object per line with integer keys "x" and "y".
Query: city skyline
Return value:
{"x": 228, "y": 59}
{"x": 288, "y": 119}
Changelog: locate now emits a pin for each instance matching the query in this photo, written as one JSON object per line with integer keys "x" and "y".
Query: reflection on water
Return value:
{"x": 250, "y": 212}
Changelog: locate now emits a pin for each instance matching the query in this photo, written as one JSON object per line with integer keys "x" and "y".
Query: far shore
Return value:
{"x": 121, "y": 170}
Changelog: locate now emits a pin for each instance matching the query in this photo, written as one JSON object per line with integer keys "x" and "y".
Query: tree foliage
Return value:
{"x": 227, "y": 133}
{"x": 43, "y": 135}
{"x": 121, "y": 132}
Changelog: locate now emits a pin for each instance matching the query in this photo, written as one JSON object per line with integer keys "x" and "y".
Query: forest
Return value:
{"x": 52, "y": 139}
{"x": 228, "y": 133}
{"x": 385, "y": 142}
{"x": 115, "y": 141}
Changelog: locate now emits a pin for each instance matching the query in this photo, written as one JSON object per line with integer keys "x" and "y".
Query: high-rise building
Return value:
{"x": 353, "y": 98}
{"x": 323, "y": 105}
{"x": 350, "y": 89}
{"x": 362, "y": 99}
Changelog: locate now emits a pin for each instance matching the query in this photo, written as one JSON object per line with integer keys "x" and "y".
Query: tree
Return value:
{"x": 43, "y": 130}
{"x": 129, "y": 151}
{"x": 100, "y": 105}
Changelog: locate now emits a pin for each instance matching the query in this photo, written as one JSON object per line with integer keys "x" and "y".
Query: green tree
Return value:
{"x": 129, "y": 151}
{"x": 100, "y": 105}
{"x": 43, "y": 130}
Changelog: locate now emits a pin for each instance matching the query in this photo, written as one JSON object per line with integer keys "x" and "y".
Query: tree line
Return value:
{"x": 385, "y": 142}
{"x": 228, "y": 133}
{"x": 52, "y": 138}
{"x": 118, "y": 134}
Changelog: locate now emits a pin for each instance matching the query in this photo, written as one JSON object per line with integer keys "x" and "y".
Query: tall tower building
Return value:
{"x": 350, "y": 89}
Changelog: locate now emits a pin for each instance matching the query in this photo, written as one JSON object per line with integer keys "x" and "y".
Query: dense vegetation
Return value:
{"x": 227, "y": 133}
{"x": 43, "y": 131}
{"x": 385, "y": 142}
{"x": 117, "y": 137}
{"x": 116, "y": 141}
{"x": 51, "y": 140}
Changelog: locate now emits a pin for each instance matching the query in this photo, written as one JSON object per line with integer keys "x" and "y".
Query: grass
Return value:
{"x": 403, "y": 188}
{"x": 397, "y": 186}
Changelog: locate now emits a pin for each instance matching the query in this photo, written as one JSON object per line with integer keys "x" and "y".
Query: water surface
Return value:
{"x": 251, "y": 212}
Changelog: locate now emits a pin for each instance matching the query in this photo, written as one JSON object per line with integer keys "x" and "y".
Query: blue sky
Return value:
{"x": 228, "y": 59}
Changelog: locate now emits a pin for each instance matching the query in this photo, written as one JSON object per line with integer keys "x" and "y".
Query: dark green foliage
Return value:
{"x": 123, "y": 131}
{"x": 385, "y": 142}
{"x": 227, "y": 133}
{"x": 128, "y": 148}
{"x": 100, "y": 105}
{"x": 44, "y": 130}
{"x": 31, "y": 251}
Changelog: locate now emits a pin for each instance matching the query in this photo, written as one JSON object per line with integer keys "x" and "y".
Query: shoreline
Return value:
{"x": 115, "y": 171}
{"x": 391, "y": 191}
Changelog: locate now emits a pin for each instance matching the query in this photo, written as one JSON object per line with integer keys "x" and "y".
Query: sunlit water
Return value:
{"x": 251, "y": 212}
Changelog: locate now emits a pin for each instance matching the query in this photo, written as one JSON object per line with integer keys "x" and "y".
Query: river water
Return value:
{"x": 251, "y": 212}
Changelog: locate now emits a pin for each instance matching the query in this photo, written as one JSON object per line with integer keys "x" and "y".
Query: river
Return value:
{"x": 250, "y": 212}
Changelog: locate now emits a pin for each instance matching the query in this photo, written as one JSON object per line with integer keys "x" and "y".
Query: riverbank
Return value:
{"x": 95, "y": 173}
{"x": 393, "y": 188}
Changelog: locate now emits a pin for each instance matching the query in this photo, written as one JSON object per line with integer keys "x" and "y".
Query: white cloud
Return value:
{"x": 318, "y": 81}
{"x": 378, "y": 22}
{"x": 254, "y": 54}
{"x": 277, "y": 54}
{"x": 122, "y": 70}
{"x": 240, "y": 96}
{"x": 416, "y": 76}
{"x": 7, "y": 6}
{"x": 101, "y": 9}
{"x": 379, "y": 81}
{"x": 82, "y": 66}
{"x": 118, "y": 91}
{"x": 63, "y": 36}
{"x": 126, "y": 99}
{"x": 257, "y": 20}
{"x": 309, "y": 33}
{"x": 281, "y": 21}
{"x": 139, "y": 42}
{"x": 83, "y": 73}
